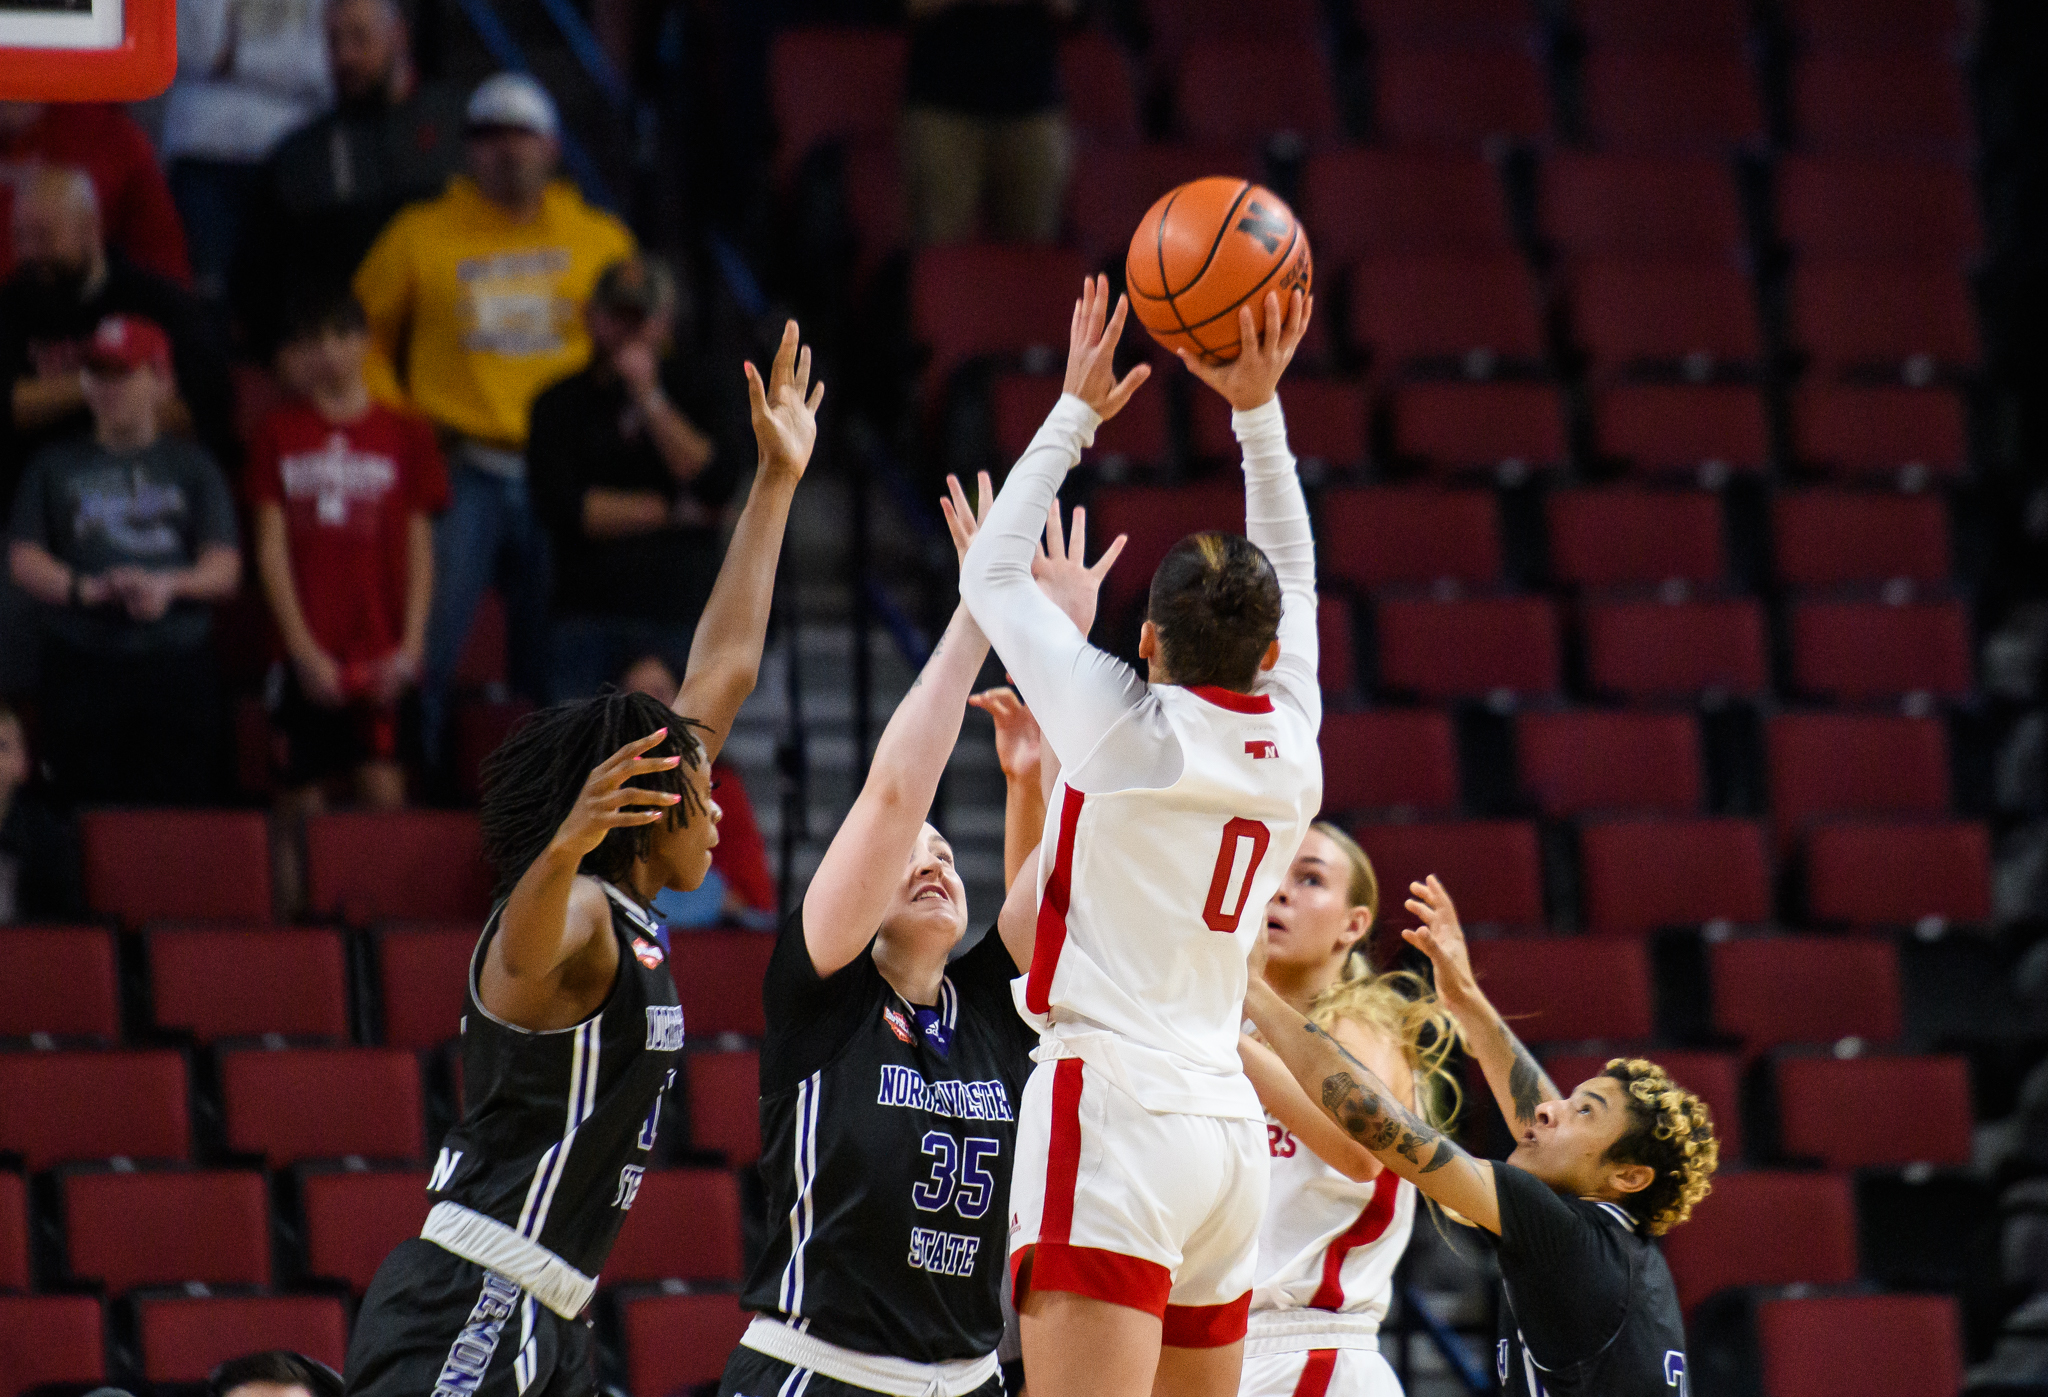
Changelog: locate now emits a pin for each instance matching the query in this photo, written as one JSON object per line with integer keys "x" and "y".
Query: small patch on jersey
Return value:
{"x": 1260, "y": 749}
{"x": 898, "y": 1025}
{"x": 648, "y": 954}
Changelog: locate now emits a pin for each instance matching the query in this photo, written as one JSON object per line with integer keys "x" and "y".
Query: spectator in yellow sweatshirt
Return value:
{"x": 475, "y": 303}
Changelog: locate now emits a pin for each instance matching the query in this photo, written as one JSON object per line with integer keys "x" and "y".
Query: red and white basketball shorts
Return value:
{"x": 1318, "y": 1372}
{"x": 1159, "y": 1212}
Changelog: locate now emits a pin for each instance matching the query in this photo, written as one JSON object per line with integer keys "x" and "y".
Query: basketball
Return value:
{"x": 1204, "y": 250}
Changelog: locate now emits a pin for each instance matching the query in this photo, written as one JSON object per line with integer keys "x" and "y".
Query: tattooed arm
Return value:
{"x": 1519, "y": 1084}
{"x": 1369, "y": 1113}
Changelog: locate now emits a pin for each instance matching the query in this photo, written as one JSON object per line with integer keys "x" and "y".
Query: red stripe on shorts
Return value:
{"x": 1129, "y": 1281}
{"x": 1366, "y": 1228}
{"x": 1063, "y": 1154}
{"x": 1206, "y": 1326}
{"x": 1316, "y": 1373}
{"x": 1052, "y": 910}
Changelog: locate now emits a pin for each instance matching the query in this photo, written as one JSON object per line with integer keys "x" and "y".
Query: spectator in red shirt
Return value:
{"x": 135, "y": 200}
{"x": 344, "y": 490}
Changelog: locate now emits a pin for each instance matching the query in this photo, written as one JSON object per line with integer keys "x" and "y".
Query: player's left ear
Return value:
{"x": 1631, "y": 1178}
{"x": 1271, "y": 657}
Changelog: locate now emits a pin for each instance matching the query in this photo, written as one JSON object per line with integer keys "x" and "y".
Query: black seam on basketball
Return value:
{"x": 1159, "y": 250}
{"x": 1293, "y": 238}
{"x": 1243, "y": 193}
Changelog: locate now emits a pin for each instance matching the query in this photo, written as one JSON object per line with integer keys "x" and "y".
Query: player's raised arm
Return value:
{"x": 1275, "y": 511}
{"x": 1077, "y": 692}
{"x": 725, "y": 653}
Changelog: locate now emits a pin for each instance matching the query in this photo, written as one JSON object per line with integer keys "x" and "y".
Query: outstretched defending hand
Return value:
{"x": 1060, "y": 567}
{"x": 1251, "y": 379}
{"x": 785, "y": 411}
{"x": 1091, "y": 351}
{"x": 1442, "y": 939}
{"x": 1019, "y": 744}
{"x": 962, "y": 522}
{"x": 607, "y": 803}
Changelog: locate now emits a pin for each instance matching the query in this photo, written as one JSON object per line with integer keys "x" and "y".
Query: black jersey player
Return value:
{"x": 571, "y": 1029}
{"x": 889, "y": 1077}
{"x": 1588, "y": 1308}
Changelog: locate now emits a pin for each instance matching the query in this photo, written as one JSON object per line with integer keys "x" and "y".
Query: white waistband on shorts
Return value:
{"x": 898, "y": 1377}
{"x": 521, "y": 1260}
{"x": 1295, "y": 1331}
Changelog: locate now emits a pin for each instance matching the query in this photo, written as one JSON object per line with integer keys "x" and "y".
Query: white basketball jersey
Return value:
{"x": 1150, "y": 899}
{"x": 1328, "y": 1242}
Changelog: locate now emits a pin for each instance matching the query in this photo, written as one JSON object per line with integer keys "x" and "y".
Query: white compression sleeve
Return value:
{"x": 1276, "y": 519}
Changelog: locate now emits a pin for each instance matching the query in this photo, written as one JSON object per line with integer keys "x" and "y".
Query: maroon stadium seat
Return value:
{"x": 323, "y": 1103}
{"x": 1848, "y": 651}
{"x": 1656, "y": 650}
{"x": 59, "y": 980}
{"x": 127, "y": 1230}
{"x": 1415, "y": 535}
{"x": 1765, "y": 1227}
{"x": 1238, "y": 90}
{"x": 1829, "y": 537}
{"x": 1833, "y": 207}
{"x": 1714, "y": 1078}
{"x": 1670, "y": 99}
{"x": 1848, "y": 1113}
{"x": 986, "y": 299}
{"x": 725, "y": 1103}
{"x": 1390, "y": 759}
{"x": 718, "y": 976}
{"x": 1829, "y": 764}
{"x": 1770, "y": 991}
{"x": 685, "y": 1225}
{"x": 1470, "y": 24}
{"x": 1336, "y": 655}
{"x": 1114, "y": 186}
{"x": 56, "y": 1108}
{"x": 1608, "y": 537}
{"x": 1722, "y": 24}
{"x": 13, "y": 1232}
{"x": 875, "y": 203}
{"x": 481, "y": 727}
{"x": 830, "y": 83}
{"x": 1155, "y": 518}
{"x": 425, "y": 864}
{"x": 237, "y": 982}
{"x": 1426, "y": 308}
{"x": 1101, "y": 95}
{"x": 1174, "y": 23}
{"x": 1666, "y": 311}
{"x": 1640, "y": 875}
{"x": 1454, "y": 98}
{"x": 185, "y": 1339}
{"x": 1572, "y": 763}
{"x": 1325, "y": 423}
{"x": 192, "y": 865}
{"x": 1139, "y": 434}
{"x": 1456, "y": 426}
{"x": 1837, "y": 24}
{"x": 51, "y": 1339}
{"x": 1468, "y": 649}
{"x": 1565, "y": 989}
{"x": 1886, "y": 430}
{"x": 1852, "y": 1345}
{"x": 1915, "y": 316}
{"x": 1897, "y": 873}
{"x": 1641, "y": 206}
{"x": 676, "y": 1342}
{"x": 1491, "y": 867}
{"x": 1365, "y": 202}
{"x": 354, "y": 1219}
{"x": 1663, "y": 428}
{"x": 422, "y": 971}
{"x": 1896, "y": 100}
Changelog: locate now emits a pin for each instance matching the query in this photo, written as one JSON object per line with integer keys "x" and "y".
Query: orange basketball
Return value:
{"x": 1204, "y": 250}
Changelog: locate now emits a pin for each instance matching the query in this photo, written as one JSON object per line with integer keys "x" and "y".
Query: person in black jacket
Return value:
{"x": 40, "y": 879}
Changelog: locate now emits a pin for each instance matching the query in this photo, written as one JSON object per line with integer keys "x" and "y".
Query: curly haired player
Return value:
{"x": 1588, "y": 1308}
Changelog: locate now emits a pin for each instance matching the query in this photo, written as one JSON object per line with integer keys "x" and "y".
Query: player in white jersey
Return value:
{"x": 1141, "y": 1155}
{"x": 1337, "y": 1220}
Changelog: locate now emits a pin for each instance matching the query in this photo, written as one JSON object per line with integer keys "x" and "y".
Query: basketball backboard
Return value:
{"x": 86, "y": 50}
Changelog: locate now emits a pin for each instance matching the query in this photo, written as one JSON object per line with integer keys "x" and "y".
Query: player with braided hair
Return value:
{"x": 1588, "y": 1306}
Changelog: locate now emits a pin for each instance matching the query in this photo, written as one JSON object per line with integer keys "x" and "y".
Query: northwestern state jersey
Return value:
{"x": 1150, "y": 898}
{"x": 1588, "y": 1308}
{"x": 1329, "y": 1242}
{"x": 886, "y": 1160}
{"x": 557, "y": 1125}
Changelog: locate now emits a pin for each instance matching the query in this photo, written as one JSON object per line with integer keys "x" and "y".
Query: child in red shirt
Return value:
{"x": 343, "y": 490}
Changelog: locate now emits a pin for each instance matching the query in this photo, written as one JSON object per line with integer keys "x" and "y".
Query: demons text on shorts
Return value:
{"x": 471, "y": 1353}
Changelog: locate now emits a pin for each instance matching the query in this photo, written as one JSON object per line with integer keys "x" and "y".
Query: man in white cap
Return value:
{"x": 475, "y": 303}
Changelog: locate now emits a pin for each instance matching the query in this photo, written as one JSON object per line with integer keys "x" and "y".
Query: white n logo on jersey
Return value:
{"x": 444, "y": 1170}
